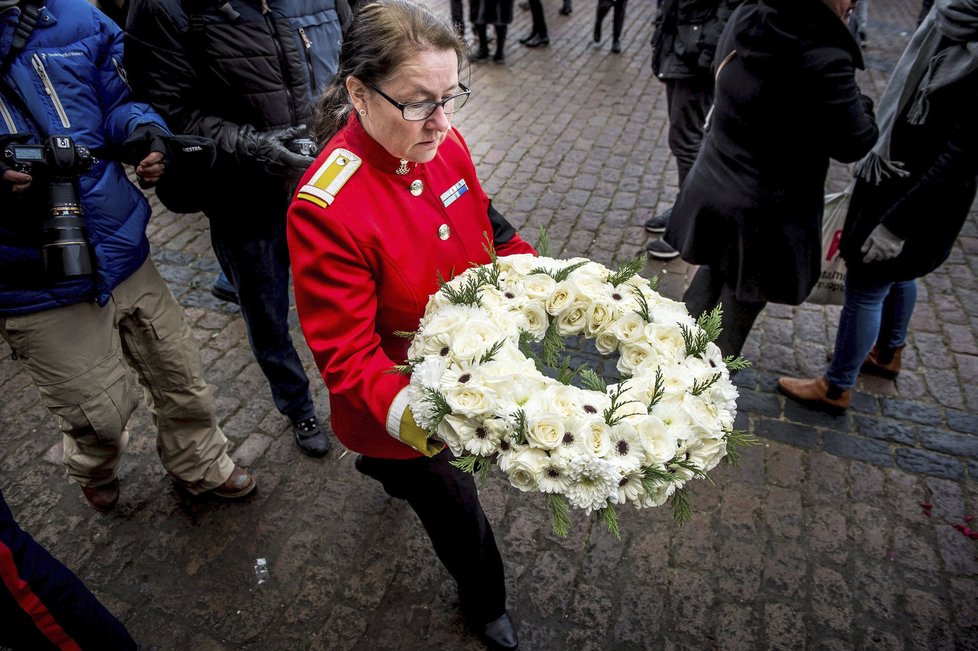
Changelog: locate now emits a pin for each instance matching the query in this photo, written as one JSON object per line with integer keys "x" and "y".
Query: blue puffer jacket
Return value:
{"x": 71, "y": 79}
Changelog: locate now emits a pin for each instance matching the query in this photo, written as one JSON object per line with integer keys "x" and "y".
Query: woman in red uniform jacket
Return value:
{"x": 392, "y": 202}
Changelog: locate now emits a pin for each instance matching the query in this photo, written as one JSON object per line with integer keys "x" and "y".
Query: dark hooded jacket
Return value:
{"x": 786, "y": 103}
{"x": 927, "y": 208}
{"x": 210, "y": 71}
{"x": 686, "y": 36}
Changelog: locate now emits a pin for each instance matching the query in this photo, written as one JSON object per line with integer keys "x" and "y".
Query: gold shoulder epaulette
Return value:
{"x": 335, "y": 171}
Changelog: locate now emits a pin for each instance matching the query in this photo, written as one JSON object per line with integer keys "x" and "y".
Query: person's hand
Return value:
{"x": 150, "y": 169}
{"x": 19, "y": 182}
{"x": 270, "y": 149}
{"x": 881, "y": 244}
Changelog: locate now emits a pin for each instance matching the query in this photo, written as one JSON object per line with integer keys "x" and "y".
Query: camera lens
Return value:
{"x": 65, "y": 249}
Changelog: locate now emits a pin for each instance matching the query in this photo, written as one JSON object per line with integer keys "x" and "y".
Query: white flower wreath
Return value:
{"x": 478, "y": 385}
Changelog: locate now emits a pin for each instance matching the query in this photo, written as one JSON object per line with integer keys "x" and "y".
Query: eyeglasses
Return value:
{"x": 416, "y": 111}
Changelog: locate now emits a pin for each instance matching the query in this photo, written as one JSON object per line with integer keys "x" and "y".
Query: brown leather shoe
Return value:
{"x": 239, "y": 484}
{"x": 102, "y": 498}
{"x": 816, "y": 393}
{"x": 875, "y": 364}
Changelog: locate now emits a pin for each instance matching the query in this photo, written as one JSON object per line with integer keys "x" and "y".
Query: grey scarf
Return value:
{"x": 928, "y": 63}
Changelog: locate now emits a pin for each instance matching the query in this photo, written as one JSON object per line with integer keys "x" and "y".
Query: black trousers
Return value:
{"x": 709, "y": 288}
{"x": 688, "y": 101}
{"x": 447, "y": 502}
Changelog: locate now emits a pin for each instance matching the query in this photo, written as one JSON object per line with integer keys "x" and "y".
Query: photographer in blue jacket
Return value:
{"x": 80, "y": 299}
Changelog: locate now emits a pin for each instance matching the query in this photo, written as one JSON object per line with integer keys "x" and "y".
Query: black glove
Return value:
{"x": 270, "y": 149}
{"x": 867, "y": 103}
{"x": 144, "y": 139}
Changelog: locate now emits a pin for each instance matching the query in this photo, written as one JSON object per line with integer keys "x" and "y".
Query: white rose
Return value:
{"x": 449, "y": 320}
{"x": 469, "y": 399}
{"x": 563, "y": 295}
{"x": 572, "y": 320}
{"x": 706, "y": 453}
{"x": 537, "y": 320}
{"x": 523, "y": 467}
{"x": 606, "y": 342}
{"x": 600, "y": 315}
{"x": 666, "y": 339}
{"x": 628, "y": 328}
{"x": 632, "y": 356}
{"x": 562, "y": 400}
{"x": 545, "y": 430}
{"x": 538, "y": 286}
{"x": 658, "y": 441}
{"x": 702, "y": 413}
{"x": 519, "y": 264}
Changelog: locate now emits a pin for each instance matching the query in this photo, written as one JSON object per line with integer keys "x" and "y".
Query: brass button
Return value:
{"x": 444, "y": 231}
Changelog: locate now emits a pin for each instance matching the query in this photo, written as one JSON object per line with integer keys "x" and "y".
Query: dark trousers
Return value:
{"x": 688, "y": 101}
{"x": 255, "y": 256}
{"x": 617, "y": 19}
{"x": 447, "y": 502}
{"x": 539, "y": 22}
{"x": 43, "y": 605}
{"x": 709, "y": 288}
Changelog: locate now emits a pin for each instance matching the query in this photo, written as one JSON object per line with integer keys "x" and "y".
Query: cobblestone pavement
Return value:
{"x": 816, "y": 540}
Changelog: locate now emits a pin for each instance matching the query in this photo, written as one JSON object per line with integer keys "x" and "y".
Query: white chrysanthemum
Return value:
{"x": 524, "y": 467}
{"x": 594, "y": 482}
{"x": 474, "y": 436}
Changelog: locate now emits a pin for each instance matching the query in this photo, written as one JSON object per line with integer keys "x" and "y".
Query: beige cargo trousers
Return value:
{"x": 79, "y": 357}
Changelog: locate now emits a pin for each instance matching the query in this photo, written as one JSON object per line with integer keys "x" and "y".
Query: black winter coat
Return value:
{"x": 686, "y": 36}
{"x": 211, "y": 78}
{"x": 928, "y": 207}
{"x": 786, "y": 102}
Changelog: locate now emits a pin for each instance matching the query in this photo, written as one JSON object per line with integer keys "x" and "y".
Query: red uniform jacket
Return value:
{"x": 365, "y": 264}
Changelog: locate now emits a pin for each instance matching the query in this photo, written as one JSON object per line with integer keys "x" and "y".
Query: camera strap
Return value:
{"x": 30, "y": 10}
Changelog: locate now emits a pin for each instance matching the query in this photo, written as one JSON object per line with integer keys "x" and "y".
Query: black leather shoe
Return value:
{"x": 527, "y": 38}
{"x": 660, "y": 250}
{"x": 500, "y": 634}
{"x": 616, "y": 46}
{"x": 566, "y": 10}
{"x": 310, "y": 437}
{"x": 479, "y": 56}
{"x": 538, "y": 41}
{"x": 597, "y": 31}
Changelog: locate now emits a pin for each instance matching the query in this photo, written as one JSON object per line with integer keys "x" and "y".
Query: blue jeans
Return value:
{"x": 256, "y": 260}
{"x": 873, "y": 313}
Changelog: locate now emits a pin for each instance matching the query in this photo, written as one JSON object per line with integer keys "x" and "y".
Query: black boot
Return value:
{"x": 483, "y": 52}
{"x": 618, "y": 23}
{"x": 604, "y": 6}
{"x": 566, "y": 9}
{"x": 499, "y": 56}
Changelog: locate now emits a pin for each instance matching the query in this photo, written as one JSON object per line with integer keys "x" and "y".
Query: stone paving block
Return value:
{"x": 852, "y": 447}
{"x": 962, "y": 421}
{"x": 871, "y": 530}
{"x": 790, "y": 433}
{"x": 929, "y": 463}
{"x": 957, "y": 551}
{"x": 785, "y": 466}
{"x": 929, "y": 621}
{"x": 886, "y": 429}
{"x": 945, "y": 386}
{"x": 942, "y": 440}
{"x": 831, "y": 600}
{"x": 822, "y": 530}
{"x": 918, "y": 412}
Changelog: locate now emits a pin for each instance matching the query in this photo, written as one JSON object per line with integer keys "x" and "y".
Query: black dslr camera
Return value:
{"x": 58, "y": 163}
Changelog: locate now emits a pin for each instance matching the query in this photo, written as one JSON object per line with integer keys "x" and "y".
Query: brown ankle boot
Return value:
{"x": 102, "y": 498}
{"x": 877, "y": 364}
{"x": 816, "y": 393}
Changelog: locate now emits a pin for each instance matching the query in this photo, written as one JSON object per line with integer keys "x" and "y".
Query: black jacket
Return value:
{"x": 786, "y": 102}
{"x": 686, "y": 35}
{"x": 928, "y": 207}
{"x": 209, "y": 74}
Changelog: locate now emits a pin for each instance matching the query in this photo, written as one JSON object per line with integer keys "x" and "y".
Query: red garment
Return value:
{"x": 364, "y": 267}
